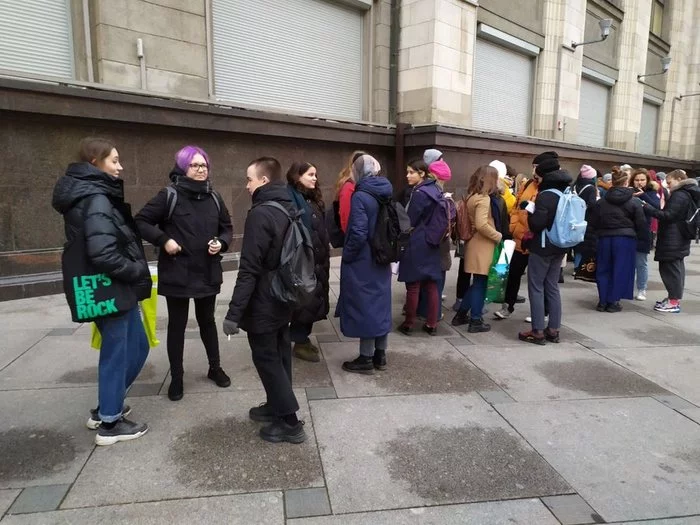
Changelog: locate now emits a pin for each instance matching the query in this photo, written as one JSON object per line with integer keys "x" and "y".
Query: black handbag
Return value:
{"x": 586, "y": 270}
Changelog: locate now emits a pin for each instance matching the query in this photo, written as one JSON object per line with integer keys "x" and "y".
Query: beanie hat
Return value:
{"x": 620, "y": 177}
{"x": 441, "y": 170}
{"x": 661, "y": 175}
{"x": 607, "y": 177}
{"x": 546, "y": 155}
{"x": 547, "y": 165}
{"x": 431, "y": 155}
{"x": 587, "y": 172}
{"x": 625, "y": 167}
{"x": 500, "y": 168}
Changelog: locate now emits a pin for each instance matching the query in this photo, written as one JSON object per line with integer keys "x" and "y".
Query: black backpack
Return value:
{"x": 391, "y": 232}
{"x": 171, "y": 200}
{"x": 335, "y": 234}
{"x": 690, "y": 227}
{"x": 294, "y": 280}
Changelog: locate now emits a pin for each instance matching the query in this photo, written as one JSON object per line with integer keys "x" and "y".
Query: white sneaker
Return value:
{"x": 503, "y": 313}
{"x": 641, "y": 295}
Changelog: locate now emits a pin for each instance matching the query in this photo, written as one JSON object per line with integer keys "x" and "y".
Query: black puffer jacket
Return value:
{"x": 619, "y": 214}
{"x": 317, "y": 308}
{"x": 587, "y": 190}
{"x": 545, "y": 210}
{"x": 252, "y": 305}
{"x": 671, "y": 244}
{"x": 196, "y": 220}
{"x": 93, "y": 201}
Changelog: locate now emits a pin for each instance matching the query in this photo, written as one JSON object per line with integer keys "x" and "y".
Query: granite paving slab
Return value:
{"x": 690, "y": 520}
{"x": 415, "y": 366}
{"x": 264, "y": 508}
{"x": 630, "y": 459}
{"x": 39, "y": 499}
{"x": 17, "y": 342}
{"x": 516, "y": 512}
{"x": 216, "y": 452}
{"x": 402, "y": 451}
{"x": 44, "y": 313}
{"x": 563, "y": 371}
{"x": 692, "y": 413}
{"x": 6, "y": 499}
{"x": 675, "y": 368}
{"x": 43, "y": 438}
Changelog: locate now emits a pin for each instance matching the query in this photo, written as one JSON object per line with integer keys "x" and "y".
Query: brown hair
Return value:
{"x": 346, "y": 173}
{"x": 267, "y": 167}
{"x": 484, "y": 181}
{"x": 620, "y": 178}
{"x": 296, "y": 170}
{"x": 640, "y": 171}
{"x": 94, "y": 149}
{"x": 677, "y": 175}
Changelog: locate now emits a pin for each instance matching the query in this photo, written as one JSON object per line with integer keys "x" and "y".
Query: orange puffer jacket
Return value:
{"x": 518, "y": 217}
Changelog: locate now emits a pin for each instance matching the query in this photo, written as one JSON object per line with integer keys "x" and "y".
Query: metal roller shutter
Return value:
{"x": 593, "y": 113}
{"x": 300, "y": 55}
{"x": 648, "y": 129}
{"x": 36, "y": 37}
{"x": 503, "y": 83}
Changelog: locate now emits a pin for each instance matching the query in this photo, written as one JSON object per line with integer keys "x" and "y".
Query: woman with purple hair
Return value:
{"x": 190, "y": 223}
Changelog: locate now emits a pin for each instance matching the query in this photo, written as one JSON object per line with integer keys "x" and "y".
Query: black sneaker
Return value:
{"x": 477, "y": 326}
{"x": 262, "y": 413}
{"x": 430, "y": 330}
{"x": 280, "y": 431}
{"x": 519, "y": 300}
{"x": 551, "y": 335}
{"x": 613, "y": 308}
{"x": 219, "y": 377}
{"x": 124, "y": 430}
{"x": 460, "y": 319}
{"x": 176, "y": 389}
{"x": 601, "y": 307}
{"x": 361, "y": 365}
{"x": 94, "y": 422}
{"x": 379, "y": 360}
{"x": 405, "y": 329}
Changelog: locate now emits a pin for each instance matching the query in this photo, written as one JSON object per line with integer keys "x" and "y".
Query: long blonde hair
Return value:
{"x": 346, "y": 173}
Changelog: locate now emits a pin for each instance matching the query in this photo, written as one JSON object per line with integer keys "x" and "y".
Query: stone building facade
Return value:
{"x": 317, "y": 79}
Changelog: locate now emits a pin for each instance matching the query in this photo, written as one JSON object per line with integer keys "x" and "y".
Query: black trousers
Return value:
{"x": 518, "y": 265}
{"x": 673, "y": 276}
{"x": 178, "y": 311}
{"x": 272, "y": 357}
{"x": 463, "y": 279}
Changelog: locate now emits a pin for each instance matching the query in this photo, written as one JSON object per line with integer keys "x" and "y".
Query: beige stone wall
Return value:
{"x": 381, "y": 60}
{"x": 174, "y": 37}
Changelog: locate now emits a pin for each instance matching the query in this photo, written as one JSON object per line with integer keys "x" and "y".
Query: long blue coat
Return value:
{"x": 364, "y": 305}
{"x": 421, "y": 261}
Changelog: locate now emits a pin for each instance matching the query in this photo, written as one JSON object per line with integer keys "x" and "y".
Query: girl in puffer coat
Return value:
{"x": 645, "y": 190}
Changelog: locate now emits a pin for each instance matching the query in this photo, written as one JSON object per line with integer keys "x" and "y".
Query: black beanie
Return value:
{"x": 546, "y": 155}
{"x": 547, "y": 165}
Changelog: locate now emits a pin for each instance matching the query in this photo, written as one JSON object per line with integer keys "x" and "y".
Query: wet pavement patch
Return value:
{"x": 31, "y": 453}
{"x": 596, "y": 378}
{"x": 423, "y": 374}
{"x": 469, "y": 463}
{"x": 89, "y": 375}
{"x": 228, "y": 455}
{"x": 665, "y": 336}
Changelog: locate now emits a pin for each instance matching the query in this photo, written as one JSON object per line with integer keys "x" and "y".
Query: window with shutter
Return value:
{"x": 648, "y": 129}
{"x": 593, "y": 113}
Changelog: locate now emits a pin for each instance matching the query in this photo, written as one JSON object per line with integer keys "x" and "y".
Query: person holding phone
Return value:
{"x": 646, "y": 191}
{"x": 192, "y": 226}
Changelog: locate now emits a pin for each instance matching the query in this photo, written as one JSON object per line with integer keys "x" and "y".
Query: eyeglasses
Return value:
{"x": 197, "y": 167}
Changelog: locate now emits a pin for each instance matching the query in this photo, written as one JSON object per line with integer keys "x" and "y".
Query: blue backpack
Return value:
{"x": 569, "y": 227}
{"x": 441, "y": 221}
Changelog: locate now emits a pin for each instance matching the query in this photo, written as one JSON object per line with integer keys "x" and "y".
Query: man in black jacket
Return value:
{"x": 255, "y": 310}
{"x": 545, "y": 259}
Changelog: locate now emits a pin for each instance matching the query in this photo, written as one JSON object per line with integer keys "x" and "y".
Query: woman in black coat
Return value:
{"x": 672, "y": 244}
{"x": 192, "y": 227}
{"x": 306, "y": 195}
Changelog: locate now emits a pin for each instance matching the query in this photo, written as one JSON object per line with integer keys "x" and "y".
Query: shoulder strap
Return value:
{"x": 274, "y": 204}
{"x": 171, "y": 200}
{"x": 217, "y": 200}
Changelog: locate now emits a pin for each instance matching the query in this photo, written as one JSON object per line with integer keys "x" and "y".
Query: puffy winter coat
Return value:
{"x": 252, "y": 305}
{"x": 588, "y": 191}
{"x": 671, "y": 245}
{"x": 93, "y": 201}
{"x": 545, "y": 211}
{"x": 619, "y": 214}
{"x": 518, "y": 216}
{"x": 195, "y": 221}
{"x": 479, "y": 249}
{"x": 364, "y": 305}
{"x": 651, "y": 197}
{"x": 317, "y": 307}
{"x": 421, "y": 261}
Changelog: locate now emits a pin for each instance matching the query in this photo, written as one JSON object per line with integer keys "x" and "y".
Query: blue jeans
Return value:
{"x": 423, "y": 299}
{"x": 475, "y": 297}
{"x": 122, "y": 355}
{"x": 642, "y": 264}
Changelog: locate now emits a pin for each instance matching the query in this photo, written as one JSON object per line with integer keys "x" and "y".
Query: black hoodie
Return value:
{"x": 619, "y": 214}
{"x": 252, "y": 305}
{"x": 545, "y": 210}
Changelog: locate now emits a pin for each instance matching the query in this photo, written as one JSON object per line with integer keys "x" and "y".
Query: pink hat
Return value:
{"x": 441, "y": 170}
{"x": 587, "y": 172}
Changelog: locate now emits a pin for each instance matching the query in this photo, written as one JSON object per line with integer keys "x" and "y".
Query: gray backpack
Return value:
{"x": 294, "y": 280}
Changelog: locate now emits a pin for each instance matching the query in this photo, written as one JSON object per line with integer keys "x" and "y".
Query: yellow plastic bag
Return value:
{"x": 149, "y": 314}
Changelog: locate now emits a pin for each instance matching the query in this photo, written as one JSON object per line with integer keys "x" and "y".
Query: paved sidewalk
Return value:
{"x": 461, "y": 429}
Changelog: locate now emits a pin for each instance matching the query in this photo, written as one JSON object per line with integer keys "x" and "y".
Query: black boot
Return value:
{"x": 175, "y": 390}
{"x": 478, "y": 325}
{"x": 361, "y": 365}
{"x": 461, "y": 318}
{"x": 561, "y": 275}
{"x": 379, "y": 360}
{"x": 219, "y": 377}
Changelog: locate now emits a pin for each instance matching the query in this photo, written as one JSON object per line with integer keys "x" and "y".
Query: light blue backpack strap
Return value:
{"x": 544, "y": 241}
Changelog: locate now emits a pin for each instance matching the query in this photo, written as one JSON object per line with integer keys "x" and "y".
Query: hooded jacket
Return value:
{"x": 545, "y": 211}
{"x": 671, "y": 245}
{"x": 619, "y": 214}
{"x": 195, "y": 221}
{"x": 252, "y": 305}
{"x": 92, "y": 201}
